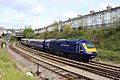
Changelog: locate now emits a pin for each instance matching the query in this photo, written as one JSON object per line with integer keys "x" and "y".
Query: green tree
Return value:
{"x": 55, "y": 28}
{"x": 67, "y": 31}
{"x": 3, "y": 34}
{"x": 40, "y": 36}
{"x": 46, "y": 34}
{"x": 28, "y": 33}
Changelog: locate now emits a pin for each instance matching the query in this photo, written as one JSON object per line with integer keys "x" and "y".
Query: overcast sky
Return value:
{"x": 16, "y": 14}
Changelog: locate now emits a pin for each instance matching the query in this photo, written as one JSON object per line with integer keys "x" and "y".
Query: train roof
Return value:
{"x": 36, "y": 39}
{"x": 61, "y": 39}
{"x": 79, "y": 40}
{"x": 50, "y": 40}
{"x": 24, "y": 39}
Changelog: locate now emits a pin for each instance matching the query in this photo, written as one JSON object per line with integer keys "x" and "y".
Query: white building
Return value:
{"x": 2, "y": 30}
{"x": 104, "y": 18}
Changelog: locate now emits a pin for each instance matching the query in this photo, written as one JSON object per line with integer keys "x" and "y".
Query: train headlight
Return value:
{"x": 89, "y": 52}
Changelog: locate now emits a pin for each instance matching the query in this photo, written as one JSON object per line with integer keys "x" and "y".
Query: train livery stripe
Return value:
{"x": 89, "y": 49}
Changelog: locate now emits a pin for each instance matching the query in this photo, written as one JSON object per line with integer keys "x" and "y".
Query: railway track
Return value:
{"x": 106, "y": 70}
{"x": 65, "y": 74}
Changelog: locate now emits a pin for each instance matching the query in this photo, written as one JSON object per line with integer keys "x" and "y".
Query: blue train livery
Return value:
{"x": 83, "y": 49}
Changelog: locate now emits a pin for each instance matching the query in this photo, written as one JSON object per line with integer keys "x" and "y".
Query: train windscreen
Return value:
{"x": 89, "y": 45}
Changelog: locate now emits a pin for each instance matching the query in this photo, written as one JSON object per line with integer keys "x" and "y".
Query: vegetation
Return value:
{"x": 28, "y": 33}
{"x": 3, "y": 34}
{"x": 9, "y": 71}
{"x": 107, "y": 40}
{"x": 108, "y": 56}
{"x": 13, "y": 38}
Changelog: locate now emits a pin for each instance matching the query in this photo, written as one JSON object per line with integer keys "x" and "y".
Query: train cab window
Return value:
{"x": 89, "y": 45}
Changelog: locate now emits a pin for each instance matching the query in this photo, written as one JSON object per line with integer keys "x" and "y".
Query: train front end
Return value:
{"x": 88, "y": 50}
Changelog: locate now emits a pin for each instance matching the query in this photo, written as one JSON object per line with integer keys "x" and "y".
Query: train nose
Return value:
{"x": 91, "y": 55}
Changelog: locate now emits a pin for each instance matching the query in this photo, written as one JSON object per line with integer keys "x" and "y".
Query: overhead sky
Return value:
{"x": 16, "y": 14}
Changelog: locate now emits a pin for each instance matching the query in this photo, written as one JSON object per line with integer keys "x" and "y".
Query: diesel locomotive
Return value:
{"x": 83, "y": 49}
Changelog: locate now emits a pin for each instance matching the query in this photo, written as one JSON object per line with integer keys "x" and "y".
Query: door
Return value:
{"x": 77, "y": 48}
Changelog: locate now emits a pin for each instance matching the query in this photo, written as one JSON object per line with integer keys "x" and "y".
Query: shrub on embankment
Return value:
{"x": 8, "y": 68}
{"x": 107, "y": 40}
{"x": 108, "y": 56}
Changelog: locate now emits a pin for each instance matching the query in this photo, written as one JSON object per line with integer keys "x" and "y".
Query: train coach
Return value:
{"x": 81, "y": 49}
{"x": 24, "y": 41}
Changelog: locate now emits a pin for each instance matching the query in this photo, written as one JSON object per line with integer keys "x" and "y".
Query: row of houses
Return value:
{"x": 105, "y": 18}
{"x": 5, "y": 31}
{"x": 13, "y": 32}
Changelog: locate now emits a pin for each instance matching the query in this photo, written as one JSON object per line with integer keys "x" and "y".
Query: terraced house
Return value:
{"x": 105, "y": 18}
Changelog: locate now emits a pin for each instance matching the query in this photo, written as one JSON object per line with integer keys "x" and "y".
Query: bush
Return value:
{"x": 108, "y": 56}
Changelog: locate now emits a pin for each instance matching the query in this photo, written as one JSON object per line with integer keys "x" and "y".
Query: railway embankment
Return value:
{"x": 107, "y": 40}
{"x": 8, "y": 68}
{"x": 109, "y": 57}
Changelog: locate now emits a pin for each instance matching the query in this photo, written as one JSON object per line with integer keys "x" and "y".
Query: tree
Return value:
{"x": 80, "y": 27}
{"x": 40, "y": 36}
{"x": 67, "y": 28}
{"x": 28, "y": 33}
{"x": 67, "y": 31}
{"x": 46, "y": 34}
{"x": 55, "y": 28}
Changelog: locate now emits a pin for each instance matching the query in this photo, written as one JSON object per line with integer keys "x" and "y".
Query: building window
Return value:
{"x": 90, "y": 17}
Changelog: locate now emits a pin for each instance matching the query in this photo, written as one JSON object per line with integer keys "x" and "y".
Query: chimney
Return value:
{"x": 92, "y": 12}
{"x": 109, "y": 7}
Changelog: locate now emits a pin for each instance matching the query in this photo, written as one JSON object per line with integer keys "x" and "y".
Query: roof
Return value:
{"x": 36, "y": 40}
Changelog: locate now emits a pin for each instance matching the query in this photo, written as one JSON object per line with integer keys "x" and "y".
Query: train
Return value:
{"x": 81, "y": 49}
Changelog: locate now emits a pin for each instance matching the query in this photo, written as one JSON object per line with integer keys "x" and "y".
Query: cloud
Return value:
{"x": 81, "y": 0}
{"x": 37, "y": 9}
{"x": 20, "y": 17}
{"x": 19, "y": 5}
{"x": 69, "y": 14}
{"x": 40, "y": 21}
{"x": 12, "y": 25}
{"x": 103, "y": 6}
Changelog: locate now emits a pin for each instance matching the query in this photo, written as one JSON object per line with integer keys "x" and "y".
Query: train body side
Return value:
{"x": 83, "y": 48}
{"x": 37, "y": 43}
{"x": 63, "y": 46}
{"x": 24, "y": 41}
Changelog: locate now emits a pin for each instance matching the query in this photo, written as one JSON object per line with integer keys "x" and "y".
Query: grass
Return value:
{"x": 108, "y": 56}
{"x": 8, "y": 67}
